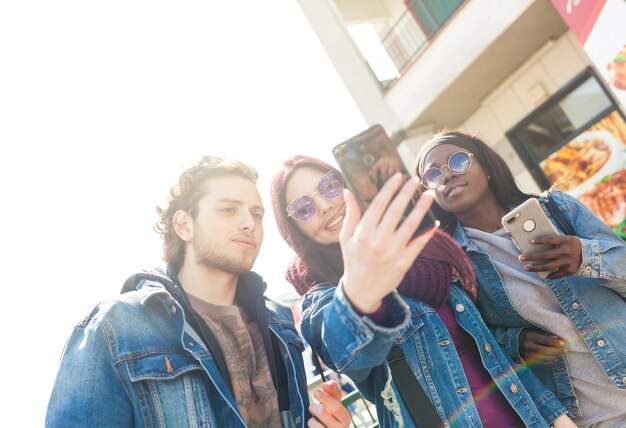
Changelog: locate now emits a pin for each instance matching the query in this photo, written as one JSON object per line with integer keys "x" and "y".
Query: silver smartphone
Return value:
{"x": 526, "y": 222}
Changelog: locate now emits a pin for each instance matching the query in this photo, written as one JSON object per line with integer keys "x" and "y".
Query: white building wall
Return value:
{"x": 451, "y": 52}
{"x": 545, "y": 72}
{"x": 326, "y": 21}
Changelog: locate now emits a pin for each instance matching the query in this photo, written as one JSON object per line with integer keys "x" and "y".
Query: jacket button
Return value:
{"x": 514, "y": 389}
{"x": 588, "y": 269}
{"x": 624, "y": 380}
{"x": 298, "y": 419}
{"x": 173, "y": 309}
{"x": 461, "y": 390}
{"x": 487, "y": 347}
{"x": 459, "y": 307}
{"x": 575, "y": 305}
{"x": 601, "y": 343}
{"x": 444, "y": 342}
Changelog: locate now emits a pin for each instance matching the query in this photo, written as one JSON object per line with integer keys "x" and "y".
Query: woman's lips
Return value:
{"x": 454, "y": 191}
{"x": 335, "y": 222}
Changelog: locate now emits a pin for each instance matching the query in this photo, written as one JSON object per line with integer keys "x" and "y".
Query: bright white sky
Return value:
{"x": 100, "y": 105}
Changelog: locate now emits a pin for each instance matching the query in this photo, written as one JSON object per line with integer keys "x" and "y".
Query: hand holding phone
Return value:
{"x": 367, "y": 161}
{"x": 564, "y": 259}
{"x": 529, "y": 222}
{"x": 376, "y": 251}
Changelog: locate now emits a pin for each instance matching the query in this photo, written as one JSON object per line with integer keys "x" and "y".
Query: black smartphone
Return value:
{"x": 367, "y": 161}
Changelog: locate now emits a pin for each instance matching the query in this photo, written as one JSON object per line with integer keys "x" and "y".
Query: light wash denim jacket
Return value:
{"x": 356, "y": 346}
{"x": 593, "y": 299}
{"x": 135, "y": 361}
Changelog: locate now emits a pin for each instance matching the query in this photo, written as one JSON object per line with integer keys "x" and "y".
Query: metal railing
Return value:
{"x": 400, "y": 45}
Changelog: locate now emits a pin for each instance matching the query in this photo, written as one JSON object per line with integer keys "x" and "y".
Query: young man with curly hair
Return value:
{"x": 196, "y": 344}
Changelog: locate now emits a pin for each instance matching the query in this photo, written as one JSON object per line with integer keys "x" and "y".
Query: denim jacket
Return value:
{"x": 593, "y": 299}
{"x": 355, "y": 345}
{"x": 135, "y": 361}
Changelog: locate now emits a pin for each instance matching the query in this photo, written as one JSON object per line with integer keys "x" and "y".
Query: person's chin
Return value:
{"x": 245, "y": 266}
{"x": 328, "y": 238}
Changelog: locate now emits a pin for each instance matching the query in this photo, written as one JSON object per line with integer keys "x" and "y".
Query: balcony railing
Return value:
{"x": 408, "y": 36}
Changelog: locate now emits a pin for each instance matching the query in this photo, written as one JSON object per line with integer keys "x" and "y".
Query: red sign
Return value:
{"x": 580, "y": 15}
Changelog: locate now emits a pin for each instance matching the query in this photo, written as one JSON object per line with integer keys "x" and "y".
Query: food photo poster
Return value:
{"x": 599, "y": 153}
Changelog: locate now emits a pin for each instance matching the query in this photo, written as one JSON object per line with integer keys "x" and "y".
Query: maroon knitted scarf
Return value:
{"x": 428, "y": 279}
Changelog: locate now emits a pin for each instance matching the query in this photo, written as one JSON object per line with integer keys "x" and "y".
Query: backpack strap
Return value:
{"x": 282, "y": 379}
{"x": 422, "y": 411}
{"x": 317, "y": 364}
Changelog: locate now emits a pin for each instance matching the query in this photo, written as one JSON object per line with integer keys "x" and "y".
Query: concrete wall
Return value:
{"x": 360, "y": 11}
{"x": 451, "y": 54}
{"x": 543, "y": 73}
{"x": 326, "y": 21}
{"x": 549, "y": 69}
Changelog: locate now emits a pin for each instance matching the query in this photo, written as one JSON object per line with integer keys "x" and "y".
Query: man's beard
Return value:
{"x": 214, "y": 261}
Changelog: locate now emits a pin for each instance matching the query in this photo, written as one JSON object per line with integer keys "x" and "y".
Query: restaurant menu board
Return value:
{"x": 592, "y": 167}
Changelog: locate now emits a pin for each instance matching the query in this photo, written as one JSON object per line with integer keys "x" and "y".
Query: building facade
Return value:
{"x": 511, "y": 72}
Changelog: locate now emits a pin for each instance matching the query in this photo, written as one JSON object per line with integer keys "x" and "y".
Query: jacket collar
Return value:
{"x": 459, "y": 236}
{"x": 250, "y": 286}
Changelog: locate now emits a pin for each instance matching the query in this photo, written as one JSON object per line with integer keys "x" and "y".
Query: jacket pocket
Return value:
{"x": 164, "y": 366}
{"x": 409, "y": 330}
{"x": 171, "y": 390}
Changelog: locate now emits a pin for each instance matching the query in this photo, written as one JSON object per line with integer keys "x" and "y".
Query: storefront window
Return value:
{"x": 577, "y": 141}
{"x": 561, "y": 119}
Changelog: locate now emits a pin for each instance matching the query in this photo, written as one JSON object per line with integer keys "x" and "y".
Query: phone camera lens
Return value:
{"x": 368, "y": 159}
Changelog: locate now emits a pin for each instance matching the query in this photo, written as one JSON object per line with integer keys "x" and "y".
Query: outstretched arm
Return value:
{"x": 377, "y": 253}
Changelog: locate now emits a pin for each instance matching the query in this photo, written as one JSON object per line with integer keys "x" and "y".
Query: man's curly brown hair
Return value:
{"x": 191, "y": 187}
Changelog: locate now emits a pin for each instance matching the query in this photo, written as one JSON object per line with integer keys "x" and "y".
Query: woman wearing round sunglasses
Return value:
{"x": 569, "y": 327}
{"x": 372, "y": 286}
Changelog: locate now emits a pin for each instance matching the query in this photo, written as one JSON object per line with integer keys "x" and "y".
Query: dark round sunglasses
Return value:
{"x": 458, "y": 163}
{"x": 303, "y": 208}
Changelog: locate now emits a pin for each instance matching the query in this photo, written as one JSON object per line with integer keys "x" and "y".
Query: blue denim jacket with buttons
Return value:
{"x": 355, "y": 345}
{"x": 135, "y": 362}
{"x": 593, "y": 299}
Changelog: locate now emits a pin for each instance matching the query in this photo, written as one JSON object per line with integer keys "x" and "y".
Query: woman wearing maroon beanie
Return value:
{"x": 368, "y": 285}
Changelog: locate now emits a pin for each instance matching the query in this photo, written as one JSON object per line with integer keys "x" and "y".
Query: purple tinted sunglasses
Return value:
{"x": 303, "y": 208}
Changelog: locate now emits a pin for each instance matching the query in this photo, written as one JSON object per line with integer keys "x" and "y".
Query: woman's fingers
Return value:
{"x": 391, "y": 228}
{"x": 540, "y": 346}
{"x": 415, "y": 247}
{"x": 330, "y": 412}
{"x": 397, "y": 207}
{"x": 562, "y": 260}
{"x": 415, "y": 217}
{"x": 543, "y": 354}
{"x": 380, "y": 203}
{"x": 376, "y": 252}
{"x": 353, "y": 216}
{"x": 332, "y": 389}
